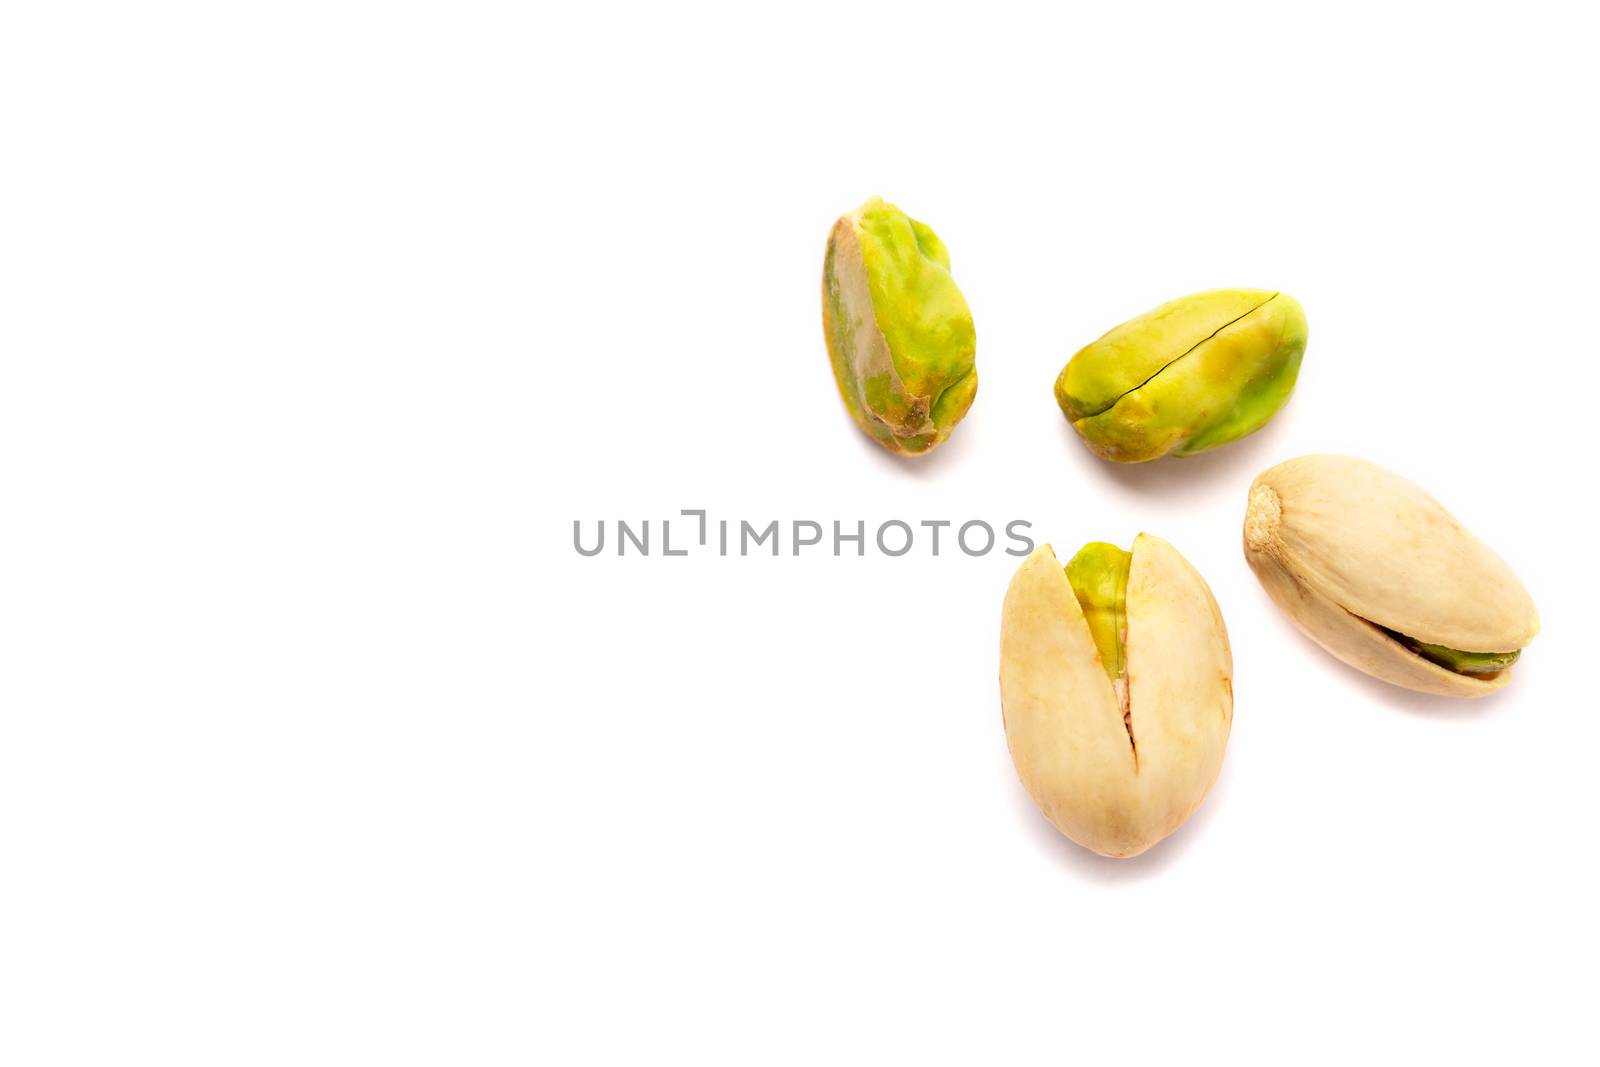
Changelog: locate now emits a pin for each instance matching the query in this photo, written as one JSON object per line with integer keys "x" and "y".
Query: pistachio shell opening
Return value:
{"x": 1188, "y": 376}
{"x": 1455, "y": 659}
{"x": 1098, "y": 575}
{"x": 899, "y": 333}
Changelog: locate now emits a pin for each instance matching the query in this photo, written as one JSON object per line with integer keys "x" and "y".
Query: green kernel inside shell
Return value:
{"x": 1098, "y": 575}
{"x": 1454, "y": 659}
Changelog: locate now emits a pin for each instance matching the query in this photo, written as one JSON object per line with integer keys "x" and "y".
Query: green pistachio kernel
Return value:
{"x": 1193, "y": 374}
{"x": 1098, "y": 575}
{"x": 899, "y": 332}
{"x": 1453, "y": 659}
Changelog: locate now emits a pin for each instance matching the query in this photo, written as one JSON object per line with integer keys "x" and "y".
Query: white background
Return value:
{"x": 321, "y": 323}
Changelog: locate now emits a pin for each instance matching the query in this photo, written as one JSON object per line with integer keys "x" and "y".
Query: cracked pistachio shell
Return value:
{"x": 1350, "y": 550}
{"x": 1116, "y": 766}
{"x": 1193, "y": 374}
{"x": 899, "y": 333}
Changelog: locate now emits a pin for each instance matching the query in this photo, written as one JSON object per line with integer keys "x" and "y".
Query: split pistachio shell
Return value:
{"x": 1193, "y": 374}
{"x": 1115, "y": 764}
{"x": 898, "y": 330}
{"x": 1378, "y": 573}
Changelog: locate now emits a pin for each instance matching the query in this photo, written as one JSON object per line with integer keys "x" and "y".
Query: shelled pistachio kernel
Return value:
{"x": 1192, "y": 374}
{"x": 899, "y": 333}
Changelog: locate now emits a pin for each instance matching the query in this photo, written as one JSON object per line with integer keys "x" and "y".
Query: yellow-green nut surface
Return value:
{"x": 1377, "y": 572}
{"x": 1193, "y": 374}
{"x": 1116, "y": 690}
{"x": 899, "y": 332}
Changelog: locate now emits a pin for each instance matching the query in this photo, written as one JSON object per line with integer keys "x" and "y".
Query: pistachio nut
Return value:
{"x": 898, "y": 330}
{"x": 1378, "y": 573}
{"x": 1116, "y": 690}
{"x": 1193, "y": 374}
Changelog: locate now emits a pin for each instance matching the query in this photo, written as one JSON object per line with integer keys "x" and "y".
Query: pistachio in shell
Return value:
{"x": 898, "y": 330}
{"x": 1116, "y": 691}
{"x": 1193, "y": 374}
{"x": 1377, "y": 572}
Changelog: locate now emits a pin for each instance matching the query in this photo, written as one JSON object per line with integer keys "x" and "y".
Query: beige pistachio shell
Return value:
{"x": 1116, "y": 771}
{"x": 1348, "y": 549}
